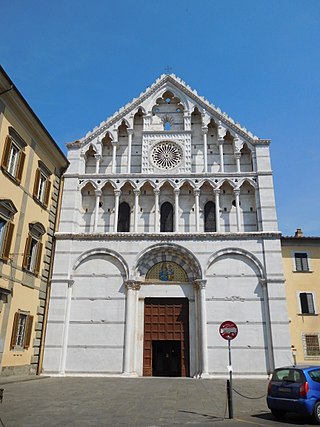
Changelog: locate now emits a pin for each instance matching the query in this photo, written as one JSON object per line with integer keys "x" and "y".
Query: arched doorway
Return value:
{"x": 209, "y": 217}
{"x": 166, "y": 217}
{"x": 124, "y": 217}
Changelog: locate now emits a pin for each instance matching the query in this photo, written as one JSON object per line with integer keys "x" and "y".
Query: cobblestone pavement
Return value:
{"x": 74, "y": 401}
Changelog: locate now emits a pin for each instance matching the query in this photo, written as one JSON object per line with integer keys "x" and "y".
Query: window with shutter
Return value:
{"x": 21, "y": 331}
{"x": 306, "y": 302}
{"x": 301, "y": 261}
{"x": 13, "y": 156}
{"x": 41, "y": 188}
{"x": 33, "y": 249}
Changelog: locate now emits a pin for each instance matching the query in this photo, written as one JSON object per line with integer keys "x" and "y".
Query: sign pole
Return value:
{"x": 230, "y": 382}
{"x": 228, "y": 331}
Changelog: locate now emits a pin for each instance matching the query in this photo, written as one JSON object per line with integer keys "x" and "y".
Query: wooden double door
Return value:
{"x": 166, "y": 337}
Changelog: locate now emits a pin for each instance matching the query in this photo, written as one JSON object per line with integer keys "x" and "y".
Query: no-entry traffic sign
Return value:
{"x": 228, "y": 330}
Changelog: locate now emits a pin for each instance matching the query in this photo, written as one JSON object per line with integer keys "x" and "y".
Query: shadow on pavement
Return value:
{"x": 290, "y": 418}
{"x": 206, "y": 416}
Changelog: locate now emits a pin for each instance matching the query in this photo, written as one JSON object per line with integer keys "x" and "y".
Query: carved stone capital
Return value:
{"x": 196, "y": 192}
{"x": 130, "y": 131}
{"x": 236, "y": 192}
{"x": 133, "y": 285}
{"x": 117, "y": 193}
{"x": 237, "y": 155}
{"x": 217, "y": 191}
{"x": 114, "y": 143}
{"x": 136, "y": 192}
{"x": 98, "y": 156}
{"x": 176, "y": 191}
{"x": 220, "y": 141}
{"x": 156, "y": 191}
{"x": 199, "y": 284}
{"x": 263, "y": 282}
{"x": 98, "y": 192}
{"x": 204, "y": 129}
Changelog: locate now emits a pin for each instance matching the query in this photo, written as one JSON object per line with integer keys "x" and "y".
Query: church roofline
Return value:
{"x": 192, "y": 93}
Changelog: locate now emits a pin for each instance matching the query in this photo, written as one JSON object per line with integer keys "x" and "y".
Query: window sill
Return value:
{"x": 40, "y": 203}
{"x": 30, "y": 272}
{"x": 308, "y": 314}
{"x": 302, "y": 271}
{"x": 8, "y": 174}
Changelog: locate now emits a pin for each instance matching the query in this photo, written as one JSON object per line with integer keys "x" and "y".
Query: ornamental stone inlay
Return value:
{"x": 166, "y": 155}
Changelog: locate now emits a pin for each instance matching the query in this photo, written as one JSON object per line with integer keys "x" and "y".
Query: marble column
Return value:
{"x": 176, "y": 209}
{"x": 237, "y": 156}
{"x": 263, "y": 283}
{"x": 156, "y": 210}
{"x": 114, "y": 156}
{"x": 116, "y": 209}
{"x": 136, "y": 209}
{"x": 220, "y": 144}
{"x": 201, "y": 284}
{"x": 217, "y": 207}
{"x": 130, "y": 133}
{"x": 237, "y": 195}
{"x": 96, "y": 211}
{"x": 196, "y": 193}
{"x": 64, "y": 350}
{"x": 205, "y": 147}
{"x": 130, "y": 326}
{"x": 98, "y": 158}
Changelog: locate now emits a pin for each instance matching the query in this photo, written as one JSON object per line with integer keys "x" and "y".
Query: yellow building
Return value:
{"x": 301, "y": 261}
{"x": 30, "y": 180}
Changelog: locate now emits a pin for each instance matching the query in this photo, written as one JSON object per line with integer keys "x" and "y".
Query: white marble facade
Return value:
{"x": 168, "y": 178}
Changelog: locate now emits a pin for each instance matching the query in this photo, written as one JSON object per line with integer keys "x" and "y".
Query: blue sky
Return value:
{"x": 76, "y": 62}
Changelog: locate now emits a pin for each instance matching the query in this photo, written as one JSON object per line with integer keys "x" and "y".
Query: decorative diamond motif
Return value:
{"x": 166, "y": 155}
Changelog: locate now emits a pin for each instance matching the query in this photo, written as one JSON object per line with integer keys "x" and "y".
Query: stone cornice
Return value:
{"x": 181, "y": 176}
{"x": 168, "y": 237}
{"x": 191, "y": 93}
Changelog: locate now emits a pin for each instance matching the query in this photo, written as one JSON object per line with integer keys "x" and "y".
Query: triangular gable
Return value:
{"x": 162, "y": 82}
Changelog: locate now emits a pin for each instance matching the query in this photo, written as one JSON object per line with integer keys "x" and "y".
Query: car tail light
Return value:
{"x": 303, "y": 391}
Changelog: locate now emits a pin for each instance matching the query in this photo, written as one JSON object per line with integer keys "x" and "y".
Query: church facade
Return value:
{"x": 168, "y": 228}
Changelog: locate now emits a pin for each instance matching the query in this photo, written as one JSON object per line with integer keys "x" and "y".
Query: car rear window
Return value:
{"x": 315, "y": 375}
{"x": 292, "y": 375}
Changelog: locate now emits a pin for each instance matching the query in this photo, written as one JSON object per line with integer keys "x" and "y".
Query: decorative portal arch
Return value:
{"x": 168, "y": 254}
{"x": 243, "y": 254}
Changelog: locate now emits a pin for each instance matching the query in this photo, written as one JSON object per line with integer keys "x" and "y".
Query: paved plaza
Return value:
{"x": 142, "y": 402}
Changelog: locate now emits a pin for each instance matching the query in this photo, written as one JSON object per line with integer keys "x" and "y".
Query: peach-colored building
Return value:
{"x": 301, "y": 262}
{"x": 30, "y": 181}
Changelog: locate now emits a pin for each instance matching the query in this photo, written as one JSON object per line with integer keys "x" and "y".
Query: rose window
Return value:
{"x": 166, "y": 155}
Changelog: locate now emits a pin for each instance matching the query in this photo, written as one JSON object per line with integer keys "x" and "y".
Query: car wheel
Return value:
{"x": 316, "y": 413}
{"x": 278, "y": 413}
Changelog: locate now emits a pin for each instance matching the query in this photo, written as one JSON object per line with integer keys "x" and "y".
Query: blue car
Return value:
{"x": 295, "y": 389}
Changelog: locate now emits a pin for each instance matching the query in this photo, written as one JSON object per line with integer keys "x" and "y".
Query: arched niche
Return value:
{"x": 246, "y": 164}
{"x": 228, "y": 153}
{"x": 228, "y": 218}
{"x": 90, "y": 160}
{"x": 248, "y": 207}
{"x": 107, "y": 148}
{"x": 87, "y": 207}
